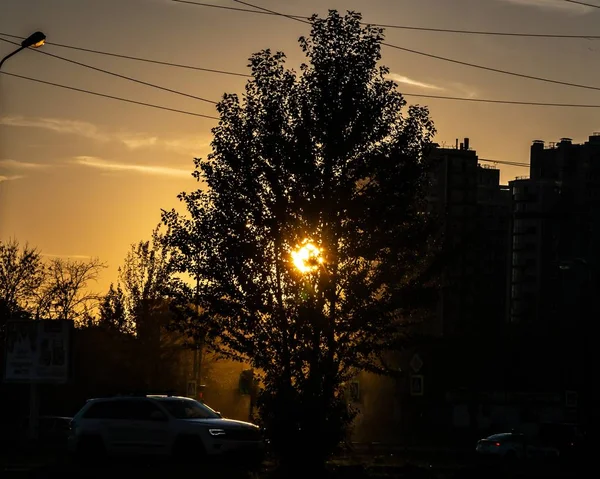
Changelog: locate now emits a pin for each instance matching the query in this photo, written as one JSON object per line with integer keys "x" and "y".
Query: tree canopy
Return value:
{"x": 309, "y": 233}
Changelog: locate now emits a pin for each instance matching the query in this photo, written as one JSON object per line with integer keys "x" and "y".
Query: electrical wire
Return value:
{"x": 510, "y": 163}
{"x": 473, "y": 100}
{"x": 410, "y": 27}
{"x": 491, "y": 69}
{"x": 446, "y": 59}
{"x": 415, "y": 95}
{"x": 103, "y": 95}
{"x": 118, "y": 75}
{"x": 582, "y": 3}
{"x": 503, "y": 102}
{"x": 150, "y": 105}
{"x": 139, "y": 59}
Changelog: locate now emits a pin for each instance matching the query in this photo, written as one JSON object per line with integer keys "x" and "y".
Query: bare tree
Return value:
{"x": 21, "y": 275}
{"x": 65, "y": 293}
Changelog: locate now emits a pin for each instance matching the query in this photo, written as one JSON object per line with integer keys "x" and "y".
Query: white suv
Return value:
{"x": 160, "y": 425}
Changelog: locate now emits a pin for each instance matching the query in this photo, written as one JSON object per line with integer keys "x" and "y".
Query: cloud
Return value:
{"x": 556, "y": 5}
{"x": 9, "y": 178}
{"x": 462, "y": 90}
{"x": 80, "y": 128}
{"x": 185, "y": 146}
{"x": 69, "y": 256}
{"x": 135, "y": 143}
{"x": 451, "y": 88}
{"x": 101, "y": 164}
{"x": 20, "y": 165}
{"x": 189, "y": 146}
{"x": 408, "y": 81}
{"x": 16, "y": 168}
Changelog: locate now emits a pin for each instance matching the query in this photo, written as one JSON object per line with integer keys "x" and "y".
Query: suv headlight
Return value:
{"x": 216, "y": 432}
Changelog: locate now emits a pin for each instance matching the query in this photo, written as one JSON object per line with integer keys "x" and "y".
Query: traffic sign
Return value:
{"x": 416, "y": 385}
{"x": 416, "y": 363}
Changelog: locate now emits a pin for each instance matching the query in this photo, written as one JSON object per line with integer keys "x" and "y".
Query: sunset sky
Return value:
{"x": 86, "y": 176}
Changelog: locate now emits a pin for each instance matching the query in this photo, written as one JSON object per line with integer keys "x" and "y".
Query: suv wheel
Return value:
{"x": 188, "y": 448}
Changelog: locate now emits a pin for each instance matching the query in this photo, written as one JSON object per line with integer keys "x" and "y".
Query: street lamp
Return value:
{"x": 35, "y": 40}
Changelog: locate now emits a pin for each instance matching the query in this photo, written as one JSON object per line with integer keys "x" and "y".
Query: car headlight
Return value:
{"x": 216, "y": 432}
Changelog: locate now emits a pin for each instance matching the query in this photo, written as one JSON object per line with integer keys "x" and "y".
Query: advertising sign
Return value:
{"x": 38, "y": 351}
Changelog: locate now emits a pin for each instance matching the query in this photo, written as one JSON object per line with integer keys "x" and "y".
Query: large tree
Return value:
{"x": 310, "y": 232}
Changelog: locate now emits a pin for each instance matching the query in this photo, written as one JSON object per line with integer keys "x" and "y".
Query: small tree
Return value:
{"x": 113, "y": 313}
{"x": 310, "y": 239}
{"x": 145, "y": 278}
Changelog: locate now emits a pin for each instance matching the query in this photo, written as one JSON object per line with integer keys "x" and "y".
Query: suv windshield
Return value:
{"x": 188, "y": 409}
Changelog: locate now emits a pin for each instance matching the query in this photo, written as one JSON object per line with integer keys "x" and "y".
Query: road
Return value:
{"x": 132, "y": 469}
{"x": 405, "y": 465}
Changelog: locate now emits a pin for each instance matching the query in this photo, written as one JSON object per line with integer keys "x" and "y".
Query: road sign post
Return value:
{"x": 192, "y": 389}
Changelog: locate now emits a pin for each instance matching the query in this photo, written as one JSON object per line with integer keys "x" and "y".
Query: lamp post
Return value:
{"x": 35, "y": 40}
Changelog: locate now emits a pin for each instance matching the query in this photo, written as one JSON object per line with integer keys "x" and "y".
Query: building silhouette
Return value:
{"x": 555, "y": 230}
{"x": 554, "y": 257}
{"x": 475, "y": 215}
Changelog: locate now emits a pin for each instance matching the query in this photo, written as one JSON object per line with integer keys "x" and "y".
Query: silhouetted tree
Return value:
{"x": 21, "y": 274}
{"x": 325, "y": 158}
{"x": 65, "y": 293}
{"x": 144, "y": 277}
{"x": 113, "y": 313}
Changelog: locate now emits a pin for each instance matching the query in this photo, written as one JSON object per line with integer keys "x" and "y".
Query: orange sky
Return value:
{"x": 87, "y": 176}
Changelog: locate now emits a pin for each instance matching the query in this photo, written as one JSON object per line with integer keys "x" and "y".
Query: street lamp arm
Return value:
{"x": 35, "y": 40}
{"x": 10, "y": 55}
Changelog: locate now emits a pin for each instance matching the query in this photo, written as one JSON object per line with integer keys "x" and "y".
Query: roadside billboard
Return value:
{"x": 38, "y": 351}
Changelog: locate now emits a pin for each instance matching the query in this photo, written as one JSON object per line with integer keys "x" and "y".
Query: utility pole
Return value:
{"x": 199, "y": 342}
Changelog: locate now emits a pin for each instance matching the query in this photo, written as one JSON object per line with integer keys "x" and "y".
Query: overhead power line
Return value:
{"x": 582, "y": 3}
{"x": 509, "y": 163}
{"x": 103, "y": 95}
{"x": 174, "y": 110}
{"x": 118, "y": 75}
{"x": 445, "y": 59}
{"x": 491, "y": 69}
{"x": 415, "y": 95}
{"x": 503, "y": 102}
{"x": 410, "y": 27}
{"x": 139, "y": 59}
